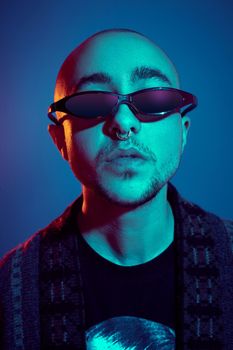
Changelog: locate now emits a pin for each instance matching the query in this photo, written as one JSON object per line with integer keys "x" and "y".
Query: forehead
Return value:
{"x": 117, "y": 55}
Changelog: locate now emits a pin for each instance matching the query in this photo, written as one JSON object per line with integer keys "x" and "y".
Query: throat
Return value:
{"x": 129, "y": 242}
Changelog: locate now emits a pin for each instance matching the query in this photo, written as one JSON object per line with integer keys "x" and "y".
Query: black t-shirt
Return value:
{"x": 133, "y": 306}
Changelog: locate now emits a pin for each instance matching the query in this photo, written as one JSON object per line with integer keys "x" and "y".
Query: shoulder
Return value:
{"x": 190, "y": 212}
{"x": 21, "y": 264}
{"x": 229, "y": 228}
{"x": 28, "y": 250}
{"x": 223, "y": 228}
{"x": 23, "y": 247}
{"x": 229, "y": 225}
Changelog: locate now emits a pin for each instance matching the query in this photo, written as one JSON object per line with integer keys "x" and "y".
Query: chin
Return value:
{"x": 131, "y": 199}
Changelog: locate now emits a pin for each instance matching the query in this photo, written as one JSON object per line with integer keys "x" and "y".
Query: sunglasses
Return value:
{"x": 148, "y": 104}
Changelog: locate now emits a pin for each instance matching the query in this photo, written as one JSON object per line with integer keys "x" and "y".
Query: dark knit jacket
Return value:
{"x": 204, "y": 283}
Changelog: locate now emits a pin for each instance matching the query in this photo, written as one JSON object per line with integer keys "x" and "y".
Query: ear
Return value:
{"x": 186, "y": 123}
{"x": 57, "y": 134}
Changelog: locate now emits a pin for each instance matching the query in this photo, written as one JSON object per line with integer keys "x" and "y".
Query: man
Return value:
{"x": 130, "y": 257}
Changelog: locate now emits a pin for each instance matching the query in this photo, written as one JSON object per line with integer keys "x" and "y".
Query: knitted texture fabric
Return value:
{"x": 204, "y": 285}
{"x": 62, "y": 303}
{"x": 42, "y": 302}
{"x": 19, "y": 297}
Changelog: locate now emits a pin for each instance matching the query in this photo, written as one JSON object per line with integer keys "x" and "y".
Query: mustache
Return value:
{"x": 118, "y": 145}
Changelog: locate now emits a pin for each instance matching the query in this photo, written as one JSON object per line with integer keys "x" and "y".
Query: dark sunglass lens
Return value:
{"x": 91, "y": 105}
{"x": 158, "y": 101}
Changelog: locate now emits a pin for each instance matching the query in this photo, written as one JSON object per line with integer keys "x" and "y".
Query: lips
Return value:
{"x": 124, "y": 153}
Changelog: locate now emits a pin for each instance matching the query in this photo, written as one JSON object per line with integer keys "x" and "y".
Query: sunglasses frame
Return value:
{"x": 189, "y": 100}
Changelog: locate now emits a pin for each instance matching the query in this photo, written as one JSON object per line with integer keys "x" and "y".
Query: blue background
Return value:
{"x": 35, "y": 183}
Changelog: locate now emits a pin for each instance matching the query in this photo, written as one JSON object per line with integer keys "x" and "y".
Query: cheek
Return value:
{"x": 172, "y": 143}
{"x": 166, "y": 138}
{"x": 81, "y": 142}
{"x": 82, "y": 148}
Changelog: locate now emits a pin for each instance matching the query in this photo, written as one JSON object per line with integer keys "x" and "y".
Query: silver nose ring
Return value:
{"x": 124, "y": 136}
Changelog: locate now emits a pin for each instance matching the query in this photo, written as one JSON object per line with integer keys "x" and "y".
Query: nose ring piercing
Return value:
{"x": 124, "y": 136}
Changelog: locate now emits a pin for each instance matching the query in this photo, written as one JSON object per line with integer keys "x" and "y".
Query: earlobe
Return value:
{"x": 57, "y": 134}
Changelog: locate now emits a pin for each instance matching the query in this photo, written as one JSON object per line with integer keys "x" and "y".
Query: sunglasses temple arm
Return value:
{"x": 188, "y": 109}
{"x": 53, "y": 118}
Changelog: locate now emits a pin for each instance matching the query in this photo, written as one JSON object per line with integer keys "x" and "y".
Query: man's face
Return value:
{"x": 89, "y": 144}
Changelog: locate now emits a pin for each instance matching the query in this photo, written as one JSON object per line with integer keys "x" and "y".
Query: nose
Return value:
{"x": 123, "y": 121}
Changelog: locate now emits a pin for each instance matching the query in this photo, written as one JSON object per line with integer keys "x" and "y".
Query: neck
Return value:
{"x": 127, "y": 236}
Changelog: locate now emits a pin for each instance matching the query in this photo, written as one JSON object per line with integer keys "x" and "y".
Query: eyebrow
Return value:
{"x": 94, "y": 78}
{"x": 139, "y": 73}
{"x": 144, "y": 72}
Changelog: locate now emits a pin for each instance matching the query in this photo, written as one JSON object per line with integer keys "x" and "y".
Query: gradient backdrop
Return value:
{"x": 35, "y": 183}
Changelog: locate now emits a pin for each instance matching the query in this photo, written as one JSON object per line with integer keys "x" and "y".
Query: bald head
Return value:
{"x": 117, "y": 60}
